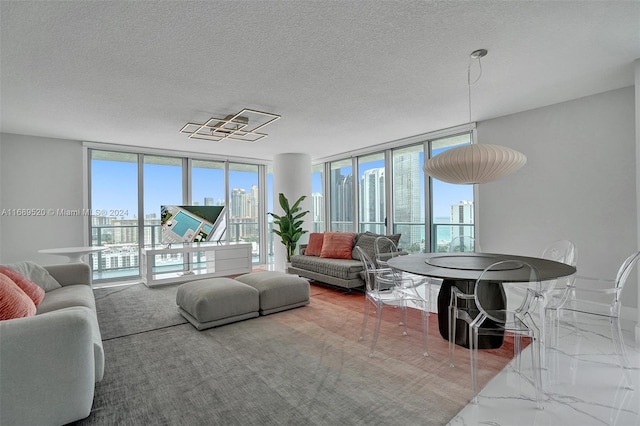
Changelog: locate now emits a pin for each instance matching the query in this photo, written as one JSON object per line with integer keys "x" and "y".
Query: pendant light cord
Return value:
{"x": 470, "y": 83}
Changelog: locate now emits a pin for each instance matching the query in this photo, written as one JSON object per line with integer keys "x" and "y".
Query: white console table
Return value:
{"x": 74, "y": 254}
{"x": 198, "y": 261}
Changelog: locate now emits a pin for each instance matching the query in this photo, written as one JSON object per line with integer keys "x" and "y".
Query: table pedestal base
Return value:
{"x": 497, "y": 300}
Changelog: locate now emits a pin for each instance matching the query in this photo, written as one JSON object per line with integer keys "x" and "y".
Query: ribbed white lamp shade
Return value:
{"x": 475, "y": 163}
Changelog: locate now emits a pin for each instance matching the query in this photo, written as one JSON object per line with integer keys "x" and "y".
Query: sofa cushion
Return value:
{"x": 346, "y": 269}
{"x": 31, "y": 289}
{"x": 68, "y": 296}
{"x": 314, "y": 247}
{"x": 337, "y": 245}
{"x": 37, "y": 274}
{"x": 14, "y": 303}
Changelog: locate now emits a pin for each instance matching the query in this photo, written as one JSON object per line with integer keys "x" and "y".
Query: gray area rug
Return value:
{"x": 300, "y": 367}
{"x": 136, "y": 309}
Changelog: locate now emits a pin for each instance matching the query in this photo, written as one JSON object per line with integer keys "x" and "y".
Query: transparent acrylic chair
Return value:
{"x": 416, "y": 289}
{"x": 486, "y": 320}
{"x": 385, "y": 249}
{"x": 600, "y": 298}
{"x": 463, "y": 243}
{"x": 386, "y": 287}
{"x": 551, "y": 291}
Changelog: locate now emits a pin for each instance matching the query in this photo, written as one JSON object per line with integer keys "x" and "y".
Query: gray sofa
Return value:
{"x": 345, "y": 273}
{"x": 51, "y": 362}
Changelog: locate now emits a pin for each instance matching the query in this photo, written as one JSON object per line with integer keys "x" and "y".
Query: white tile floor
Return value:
{"x": 583, "y": 385}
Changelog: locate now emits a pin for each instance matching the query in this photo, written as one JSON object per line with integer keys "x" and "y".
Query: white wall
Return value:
{"x": 39, "y": 173}
{"x": 578, "y": 183}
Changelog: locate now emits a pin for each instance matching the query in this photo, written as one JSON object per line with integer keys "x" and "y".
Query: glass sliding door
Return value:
{"x": 114, "y": 207}
{"x": 372, "y": 215}
{"x": 452, "y": 206}
{"x": 409, "y": 198}
{"x": 317, "y": 198}
{"x": 208, "y": 189}
{"x": 244, "y": 207}
{"x": 342, "y": 196}
{"x": 162, "y": 186}
{"x": 271, "y": 199}
{"x": 163, "y": 183}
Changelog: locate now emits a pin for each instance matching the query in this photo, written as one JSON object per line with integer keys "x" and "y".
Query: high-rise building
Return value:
{"x": 407, "y": 197}
{"x": 372, "y": 199}
{"x": 252, "y": 201}
{"x": 462, "y": 213}
{"x": 341, "y": 201}
{"x": 238, "y": 203}
{"x": 317, "y": 200}
{"x": 244, "y": 212}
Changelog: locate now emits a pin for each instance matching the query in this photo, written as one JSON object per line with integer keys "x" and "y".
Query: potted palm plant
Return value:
{"x": 289, "y": 225}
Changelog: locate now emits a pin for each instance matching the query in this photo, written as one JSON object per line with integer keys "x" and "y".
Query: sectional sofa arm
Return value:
{"x": 71, "y": 273}
{"x": 47, "y": 372}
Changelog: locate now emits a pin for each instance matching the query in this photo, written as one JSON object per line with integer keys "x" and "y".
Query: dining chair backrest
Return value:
{"x": 463, "y": 243}
{"x": 484, "y": 294}
{"x": 384, "y": 249}
{"x": 623, "y": 273}
{"x": 563, "y": 251}
{"x": 369, "y": 268}
{"x": 376, "y": 279}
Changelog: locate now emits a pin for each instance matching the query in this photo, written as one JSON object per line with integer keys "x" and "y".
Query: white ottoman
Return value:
{"x": 278, "y": 291}
{"x": 217, "y": 301}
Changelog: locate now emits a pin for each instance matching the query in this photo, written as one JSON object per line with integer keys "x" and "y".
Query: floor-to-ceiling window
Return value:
{"x": 130, "y": 188}
{"x": 395, "y": 196}
{"x": 317, "y": 198}
{"x": 269, "y": 219}
{"x": 162, "y": 186}
{"x": 409, "y": 197}
{"x": 113, "y": 187}
{"x": 208, "y": 189}
{"x": 372, "y": 202}
{"x": 452, "y": 206}
{"x": 342, "y": 196}
{"x": 244, "y": 203}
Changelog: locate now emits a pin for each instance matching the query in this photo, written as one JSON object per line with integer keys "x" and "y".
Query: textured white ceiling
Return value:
{"x": 343, "y": 74}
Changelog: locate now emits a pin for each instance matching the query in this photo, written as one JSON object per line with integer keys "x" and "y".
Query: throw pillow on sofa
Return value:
{"x": 31, "y": 289}
{"x": 36, "y": 273}
{"x": 314, "y": 247}
{"x": 337, "y": 245}
{"x": 14, "y": 303}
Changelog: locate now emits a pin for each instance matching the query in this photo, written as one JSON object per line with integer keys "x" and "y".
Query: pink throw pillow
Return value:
{"x": 314, "y": 248}
{"x": 337, "y": 245}
{"x": 31, "y": 289}
{"x": 14, "y": 303}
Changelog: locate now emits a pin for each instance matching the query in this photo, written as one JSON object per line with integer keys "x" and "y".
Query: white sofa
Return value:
{"x": 50, "y": 362}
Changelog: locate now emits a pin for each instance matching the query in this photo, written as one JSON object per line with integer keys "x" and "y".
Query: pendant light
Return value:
{"x": 474, "y": 163}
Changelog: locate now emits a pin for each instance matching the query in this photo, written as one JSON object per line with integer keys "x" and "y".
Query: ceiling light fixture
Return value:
{"x": 242, "y": 126}
{"x": 474, "y": 163}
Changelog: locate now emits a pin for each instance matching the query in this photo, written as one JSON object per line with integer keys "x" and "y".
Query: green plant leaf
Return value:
{"x": 290, "y": 223}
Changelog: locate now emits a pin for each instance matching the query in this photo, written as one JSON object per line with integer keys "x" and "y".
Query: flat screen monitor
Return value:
{"x": 191, "y": 224}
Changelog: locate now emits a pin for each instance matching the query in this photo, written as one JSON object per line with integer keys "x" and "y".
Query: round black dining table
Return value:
{"x": 463, "y": 269}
